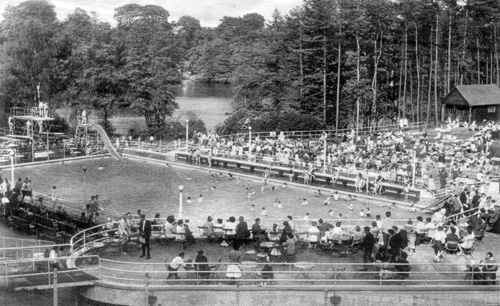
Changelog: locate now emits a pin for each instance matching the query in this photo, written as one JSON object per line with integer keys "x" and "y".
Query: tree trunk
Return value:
{"x": 338, "y": 87}
{"x": 358, "y": 74}
{"x": 417, "y": 63}
{"x": 465, "y": 46}
{"x": 428, "y": 120}
{"x": 496, "y": 54}
{"x": 378, "y": 54}
{"x": 405, "y": 71}
{"x": 478, "y": 61}
{"x": 324, "y": 79}
{"x": 436, "y": 72}
{"x": 448, "y": 77}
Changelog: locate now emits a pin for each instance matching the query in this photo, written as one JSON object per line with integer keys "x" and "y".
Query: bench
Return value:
{"x": 343, "y": 179}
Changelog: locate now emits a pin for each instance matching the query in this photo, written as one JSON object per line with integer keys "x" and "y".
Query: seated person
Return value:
{"x": 258, "y": 232}
{"x": 169, "y": 228}
{"x": 451, "y": 241}
{"x": 490, "y": 268}
{"x": 313, "y": 236}
{"x": 467, "y": 241}
{"x": 267, "y": 271}
{"x": 401, "y": 266}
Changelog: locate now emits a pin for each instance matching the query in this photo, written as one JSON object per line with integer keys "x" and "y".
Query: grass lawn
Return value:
{"x": 132, "y": 185}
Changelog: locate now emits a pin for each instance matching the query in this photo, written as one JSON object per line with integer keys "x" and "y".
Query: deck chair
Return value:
{"x": 451, "y": 247}
{"x": 214, "y": 269}
{"x": 203, "y": 233}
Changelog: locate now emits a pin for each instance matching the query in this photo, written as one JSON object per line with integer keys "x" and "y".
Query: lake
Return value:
{"x": 212, "y": 101}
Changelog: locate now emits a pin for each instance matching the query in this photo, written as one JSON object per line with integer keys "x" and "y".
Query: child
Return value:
{"x": 406, "y": 190}
{"x": 351, "y": 207}
{"x": 317, "y": 193}
{"x": 306, "y": 219}
{"x": 327, "y": 201}
{"x": 276, "y": 201}
{"x": 200, "y": 199}
{"x": 252, "y": 208}
{"x": 412, "y": 237}
{"x": 336, "y": 196}
{"x": 330, "y": 213}
{"x": 263, "y": 212}
{"x": 280, "y": 206}
{"x": 393, "y": 205}
{"x": 367, "y": 213}
{"x": 304, "y": 202}
{"x": 362, "y": 213}
{"x": 189, "y": 200}
{"x": 267, "y": 270}
{"x": 290, "y": 176}
{"x": 413, "y": 209}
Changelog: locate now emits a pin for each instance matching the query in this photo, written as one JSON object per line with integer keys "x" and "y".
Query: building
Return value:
{"x": 473, "y": 103}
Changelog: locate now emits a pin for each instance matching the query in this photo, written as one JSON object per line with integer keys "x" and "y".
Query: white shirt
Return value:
{"x": 313, "y": 234}
{"x": 440, "y": 236}
{"x": 177, "y": 262}
{"x": 122, "y": 227}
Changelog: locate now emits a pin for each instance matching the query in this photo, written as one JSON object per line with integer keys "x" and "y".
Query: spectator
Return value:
{"x": 259, "y": 233}
{"x": 202, "y": 267}
{"x": 313, "y": 236}
{"x": 367, "y": 245}
{"x": 490, "y": 268}
{"x": 53, "y": 258}
{"x": 233, "y": 269}
{"x": 173, "y": 267}
{"x": 439, "y": 243}
{"x": 145, "y": 233}
{"x": 122, "y": 232}
{"x": 242, "y": 231}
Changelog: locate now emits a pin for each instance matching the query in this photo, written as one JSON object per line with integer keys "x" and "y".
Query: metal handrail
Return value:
{"x": 286, "y": 273}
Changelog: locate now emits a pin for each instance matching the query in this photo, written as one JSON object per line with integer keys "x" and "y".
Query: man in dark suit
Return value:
{"x": 145, "y": 232}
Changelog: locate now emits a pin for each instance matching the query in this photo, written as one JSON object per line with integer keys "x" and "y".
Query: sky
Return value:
{"x": 209, "y": 12}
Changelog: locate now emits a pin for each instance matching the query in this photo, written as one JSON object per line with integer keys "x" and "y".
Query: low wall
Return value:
{"x": 269, "y": 295}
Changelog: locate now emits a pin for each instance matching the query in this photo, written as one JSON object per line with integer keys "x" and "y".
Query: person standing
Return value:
{"x": 53, "y": 197}
{"x": 123, "y": 233}
{"x": 145, "y": 233}
{"x": 367, "y": 245}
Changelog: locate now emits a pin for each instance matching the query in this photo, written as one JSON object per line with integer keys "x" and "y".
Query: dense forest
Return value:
{"x": 325, "y": 64}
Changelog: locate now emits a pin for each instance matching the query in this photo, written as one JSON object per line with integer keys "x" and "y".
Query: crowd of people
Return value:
{"x": 391, "y": 156}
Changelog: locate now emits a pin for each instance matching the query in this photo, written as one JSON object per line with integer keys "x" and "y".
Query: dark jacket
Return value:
{"x": 368, "y": 242}
{"x": 147, "y": 228}
{"x": 242, "y": 231}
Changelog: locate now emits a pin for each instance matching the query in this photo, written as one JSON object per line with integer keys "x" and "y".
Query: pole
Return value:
{"x": 48, "y": 148}
{"x": 414, "y": 168}
{"x": 180, "y": 203}
{"x": 55, "y": 287}
{"x": 249, "y": 138}
{"x": 146, "y": 289}
{"x": 12, "y": 156}
{"x": 187, "y": 135}
{"x": 324, "y": 161}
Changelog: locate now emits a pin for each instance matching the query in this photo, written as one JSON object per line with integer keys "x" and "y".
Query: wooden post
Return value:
{"x": 55, "y": 286}
{"x": 146, "y": 289}
{"x": 470, "y": 115}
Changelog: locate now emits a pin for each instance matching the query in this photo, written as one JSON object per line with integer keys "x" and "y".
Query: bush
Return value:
{"x": 287, "y": 120}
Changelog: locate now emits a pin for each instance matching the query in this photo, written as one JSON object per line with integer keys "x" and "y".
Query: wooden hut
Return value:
{"x": 473, "y": 103}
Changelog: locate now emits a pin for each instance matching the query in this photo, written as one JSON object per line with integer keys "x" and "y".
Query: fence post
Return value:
{"x": 146, "y": 289}
{"x": 55, "y": 286}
